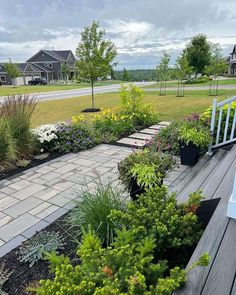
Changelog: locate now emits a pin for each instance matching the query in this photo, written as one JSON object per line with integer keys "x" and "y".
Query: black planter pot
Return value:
{"x": 189, "y": 154}
{"x": 136, "y": 190}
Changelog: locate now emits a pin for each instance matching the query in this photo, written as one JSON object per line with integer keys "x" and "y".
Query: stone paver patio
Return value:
{"x": 32, "y": 200}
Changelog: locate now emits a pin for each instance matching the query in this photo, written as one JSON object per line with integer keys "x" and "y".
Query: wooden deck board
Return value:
{"x": 211, "y": 238}
{"x": 202, "y": 176}
{"x": 221, "y": 276}
{"x": 218, "y": 183}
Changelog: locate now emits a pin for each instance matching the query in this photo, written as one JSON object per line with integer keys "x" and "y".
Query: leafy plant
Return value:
{"x": 4, "y": 276}
{"x": 35, "y": 248}
{"x": 198, "y": 135}
{"x": 7, "y": 149}
{"x": 19, "y": 111}
{"x": 41, "y": 156}
{"x": 93, "y": 209}
{"x": 47, "y": 136}
{"x": 146, "y": 175}
{"x": 161, "y": 163}
{"x": 23, "y": 163}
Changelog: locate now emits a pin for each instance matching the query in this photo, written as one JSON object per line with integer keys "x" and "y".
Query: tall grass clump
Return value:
{"x": 92, "y": 211}
{"x": 19, "y": 111}
{"x": 7, "y": 152}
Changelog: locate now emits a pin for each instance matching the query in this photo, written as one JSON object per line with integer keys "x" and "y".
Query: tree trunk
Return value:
{"x": 92, "y": 95}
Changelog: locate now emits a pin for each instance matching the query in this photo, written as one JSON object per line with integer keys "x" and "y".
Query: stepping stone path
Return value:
{"x": 32, "y": 200}
{"x": 141, "y": 138}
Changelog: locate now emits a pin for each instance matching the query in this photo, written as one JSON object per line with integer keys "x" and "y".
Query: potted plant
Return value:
{"x": 191, "y": 139}
{"x": 142, "y": 169}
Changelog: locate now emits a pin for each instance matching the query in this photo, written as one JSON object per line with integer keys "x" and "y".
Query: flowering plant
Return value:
{"x": 47, "y": 136}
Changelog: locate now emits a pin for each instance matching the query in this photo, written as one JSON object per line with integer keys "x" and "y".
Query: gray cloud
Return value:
{"x": 140, "y": 29}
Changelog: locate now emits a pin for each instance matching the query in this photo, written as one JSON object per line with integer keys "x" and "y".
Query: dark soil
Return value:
{"x": 23, "y": 276}
{"x": 90, "y": 110}
{"x": 16, "y": 170}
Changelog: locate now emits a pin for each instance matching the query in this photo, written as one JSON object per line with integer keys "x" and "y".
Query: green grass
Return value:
{"x": 175, "y": 83}
{"x": 169, "y": 107}
{"x": 9, "y": 90}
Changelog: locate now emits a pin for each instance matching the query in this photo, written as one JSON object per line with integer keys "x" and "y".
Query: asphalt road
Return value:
{"x": 228, "y": 87}
{"x": 63, "y": 94}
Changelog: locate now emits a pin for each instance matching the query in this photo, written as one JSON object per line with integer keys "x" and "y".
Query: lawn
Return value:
{"x": 9, "y": 90}
{"x": 170, "y": 107}
{"x": 175, "y": 83}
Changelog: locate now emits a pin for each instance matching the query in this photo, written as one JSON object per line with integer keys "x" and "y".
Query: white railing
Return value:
{"x": 222, "y": 127}
{"x": 231, "y": 211}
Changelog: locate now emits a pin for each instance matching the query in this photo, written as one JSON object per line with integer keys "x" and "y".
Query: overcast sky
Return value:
{"x": 140, "y": 29}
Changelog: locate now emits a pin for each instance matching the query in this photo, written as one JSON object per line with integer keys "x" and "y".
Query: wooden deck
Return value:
{"x": 215, "y": 177}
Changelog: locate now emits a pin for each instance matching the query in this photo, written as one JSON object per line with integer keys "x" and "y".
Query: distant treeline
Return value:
{"x": 140, "y": 75}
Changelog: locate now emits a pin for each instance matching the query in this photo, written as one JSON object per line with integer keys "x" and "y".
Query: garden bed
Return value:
{"x": 34, "y": 162}
{"x": 23, "y": 276}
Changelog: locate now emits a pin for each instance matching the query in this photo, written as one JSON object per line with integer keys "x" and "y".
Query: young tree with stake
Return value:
{"x": 95, "y": 56}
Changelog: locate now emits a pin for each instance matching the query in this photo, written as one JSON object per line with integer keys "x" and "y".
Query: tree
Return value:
{"x": 183, "y": 69}
{"x": 163, "y": 72}
{"x": 65, "y": 70}
{"x": 125, "y": 75}
{"x": 217, "y": 66}
{"x": 12, "y": 71}
{"x": 198, "y": 53}
{"x": 95, "y": 55}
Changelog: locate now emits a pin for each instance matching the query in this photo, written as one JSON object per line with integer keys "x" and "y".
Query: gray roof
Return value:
{"x": 61, "y": 55}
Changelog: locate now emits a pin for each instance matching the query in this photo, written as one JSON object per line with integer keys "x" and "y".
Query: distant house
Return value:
{"x": 231, "y": 60}
{"x": 45, "y": 64}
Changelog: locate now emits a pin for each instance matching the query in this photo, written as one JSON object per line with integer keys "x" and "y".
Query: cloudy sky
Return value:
{"x": 140, "y": 29}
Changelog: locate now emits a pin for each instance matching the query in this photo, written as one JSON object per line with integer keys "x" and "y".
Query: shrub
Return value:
{"x": 160, "y": 161}
{"x": 131, "y": 264}
{"x": 7, "y": 151}
{"x": 206, "y": 119}
{"x": 35, "y": 248}
{"x": 166, "y": 140}
{"x": 199, "y": 80}
{"x": 19, "y": 110}
{"x": 75, "y": 137}
{"x": 92, "y": 212}
{"x": 142, "y": 115}
{"x": 114, "y": 123}
{"x": 156, "y": 213}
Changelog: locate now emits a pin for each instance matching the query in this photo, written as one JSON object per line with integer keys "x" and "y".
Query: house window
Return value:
{"x": 3, "y": 78}
{"x": 48, "y": 65}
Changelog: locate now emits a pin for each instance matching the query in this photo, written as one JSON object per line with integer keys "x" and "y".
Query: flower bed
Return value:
{"x": 138, "y": 259}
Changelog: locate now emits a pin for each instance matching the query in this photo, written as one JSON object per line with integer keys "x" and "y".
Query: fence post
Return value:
{"x": 213, "y": 115}
{"x": 231, "y": 211}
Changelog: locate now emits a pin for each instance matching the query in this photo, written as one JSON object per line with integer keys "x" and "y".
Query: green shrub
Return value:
{"x": 166, "y": 140}
{"x": 7, "y": 150}
{"x": 206, "y": 119}
{"x": 75, "y": 137}
{"x": 199, "y": 80}
{"x": 19, "y": 111}
{"x": 156, "y": 213}
{"x": 133, "y": 263}
{"x": 142, "y": 115}
{"x": 92, "y": 212}
{"x": 112, "y": 122}
{"x": 159, "y": 161}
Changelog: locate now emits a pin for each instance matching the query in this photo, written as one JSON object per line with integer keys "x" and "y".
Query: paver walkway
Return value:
{"x": 35, "y": 198}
